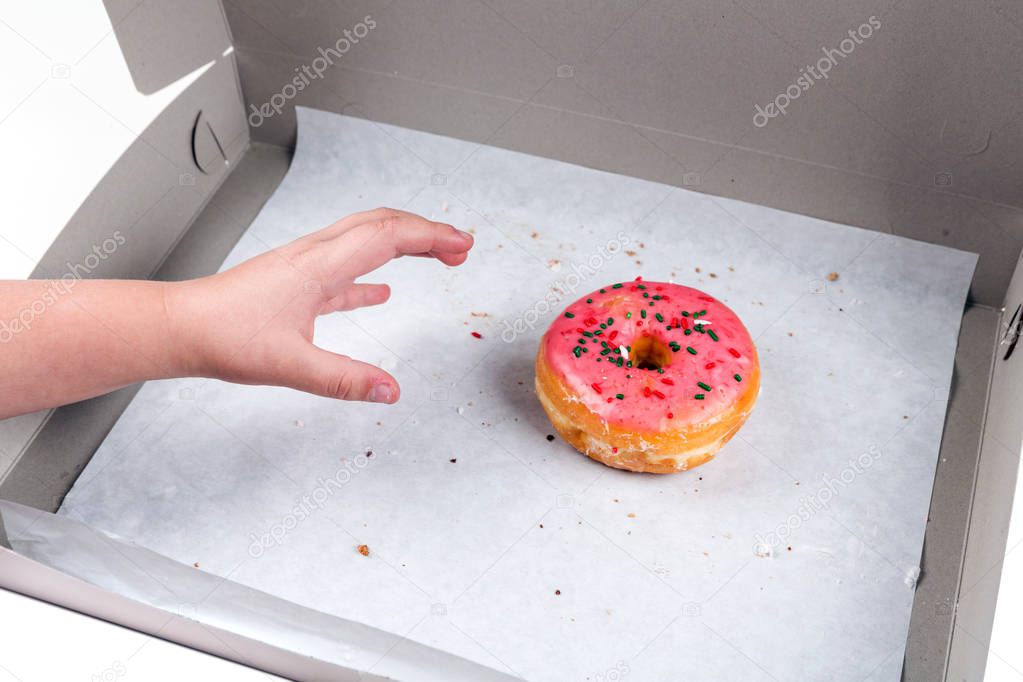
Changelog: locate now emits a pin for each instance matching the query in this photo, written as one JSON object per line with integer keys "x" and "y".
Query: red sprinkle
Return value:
{"x": 671, "y": 416}
{"x": 590, "y": 321}
{"x": 612, "y": 335}
{"x": 639, "y": 323}
{"x": 596, "y": 387}
{"x": 710, "y": 365}
{"x": 646, "y": 391}
{"x": 665, "y": 298}
{"x": 477, "y": 335}
{"x": 610, "y": 399}
{"x": 667, "y": 381}
{"x": 639, "y": 279}
{"x": 658, "y": 288}
{"x": 614, "y": 449}
{"x": 659, "y": 394}
{"x": 735, "y": 353}
{"x": 685, "y": 323}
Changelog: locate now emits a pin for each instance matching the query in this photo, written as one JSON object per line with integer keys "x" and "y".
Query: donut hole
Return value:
{"x": 649, "y": 352}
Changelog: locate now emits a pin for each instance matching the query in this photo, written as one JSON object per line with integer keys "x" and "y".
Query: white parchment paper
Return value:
{"x": 792, "y": 555}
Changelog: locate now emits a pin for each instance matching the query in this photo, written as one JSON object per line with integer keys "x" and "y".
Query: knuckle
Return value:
{"x": 342, "y": 386}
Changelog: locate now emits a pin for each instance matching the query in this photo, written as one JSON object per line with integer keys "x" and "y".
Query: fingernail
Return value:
{"x": 464, "y": 235}
{"x": 381, "y": 393}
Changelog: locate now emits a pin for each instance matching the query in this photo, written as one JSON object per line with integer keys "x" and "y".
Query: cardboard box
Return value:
{"x": 879, "y": 117}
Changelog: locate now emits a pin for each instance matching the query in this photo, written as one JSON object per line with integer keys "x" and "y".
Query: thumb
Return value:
{"x": 321, "y": 372}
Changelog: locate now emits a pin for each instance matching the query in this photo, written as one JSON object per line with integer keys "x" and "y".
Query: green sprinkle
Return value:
{"x": 660, "y": 371}
{"x": 703, "y": 385}
{"x": 620, "y": 360}
{"x": 628, "y": 376}
{"x": 603, "y": 326}
{"x": 667, "y": 328}
{"x": 577, "y": 351}
{"x": 698, "y": 396}
{"x": 657, "y": 297}
{"x": 589, "y": 334}
{"x": 589, "y": 300}
{"x": 610, "y": 321}
{"x": 642, "y": 313}
{"x": 628, "y": 315}
{"x": 586, "y": 350}
{"x": 702, "y": 313}
{"x": 646, "y": 294}
{"x": 712, "y": 335}
{"x": 629, "y": 363}
{"x": 688, "y": 332}
{"x": 692, "y": 351}
{"x": 685, "y": 313}
{"x": 660, "y": 318}
{"x": 620, "y": 396}
{"x": 605, "y": 351}
{"x": 581, "y": 342}
{"x": 650, "y": 303}
{"x": 640, "y": 286}
{"x": 616, "y": 286}
{"x": 598, "y": 332}
{"x": 737, "y": 377}
{"x": 603, "y": 291}
{"x": 569, "y": 315}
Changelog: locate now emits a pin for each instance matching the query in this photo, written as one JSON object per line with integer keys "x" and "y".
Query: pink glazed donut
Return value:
{"x": 647, "y": 376}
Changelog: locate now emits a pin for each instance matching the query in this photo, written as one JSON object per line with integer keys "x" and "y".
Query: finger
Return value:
{"x": 321, "y": 372}
{"x": 360, "y": 218}
{"x": 357, "y": 296}
{"x": 368, "y": 246}
{"x": 446, "y": 258}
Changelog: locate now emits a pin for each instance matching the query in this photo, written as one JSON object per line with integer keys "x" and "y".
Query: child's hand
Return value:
{"x": 253, "y": 324}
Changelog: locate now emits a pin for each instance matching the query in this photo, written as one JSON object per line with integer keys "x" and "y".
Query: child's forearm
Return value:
{"x": 64, "y": 341}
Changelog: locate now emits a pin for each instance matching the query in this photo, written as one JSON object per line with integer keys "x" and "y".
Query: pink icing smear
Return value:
{"x": 588, "y": 347}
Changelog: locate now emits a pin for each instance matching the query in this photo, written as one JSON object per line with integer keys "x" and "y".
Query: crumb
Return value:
{"x": 363, "y": 550}
{"x": 472, "y": 230}
{"x": 476, "y": 335}
{"x": 380, "y": 423}
{"x": 731, "y": 269}
{"x": 616, "y": 500}
{"x": 789, "y": 548}
{"x": 299, "y": 423}
{"x": 713, "y": 275}
{"x": 639, "y": 262}
{"x": 905, "y": 416}
{"x": 832, "y": 276}
{"x": 453, "y": 460}
{"x": 642, "y": 245}
{"x": 791, "y": 334}
{"x": 697, "y": 269}
{"x": 554, "y": 264}
{"x": 557, "y": 592}
{"x": 534, "y": 235}
{"x": 631, "y": 515}
{"x": 520, "y": 383}
{"x": 550, "y": 437}
{"x": 369, "y": 453}
{"x": 630, "y": 252}
{"x": 196, "y": 564}
{"x": 475, "y": 314}
{"x": 541, "y": 525}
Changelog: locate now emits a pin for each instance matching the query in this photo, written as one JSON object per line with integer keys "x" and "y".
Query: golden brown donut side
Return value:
{"x": 653, "y": 452}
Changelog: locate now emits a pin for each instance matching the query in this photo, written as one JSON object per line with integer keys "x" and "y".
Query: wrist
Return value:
{"x": 186, "y": 349}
